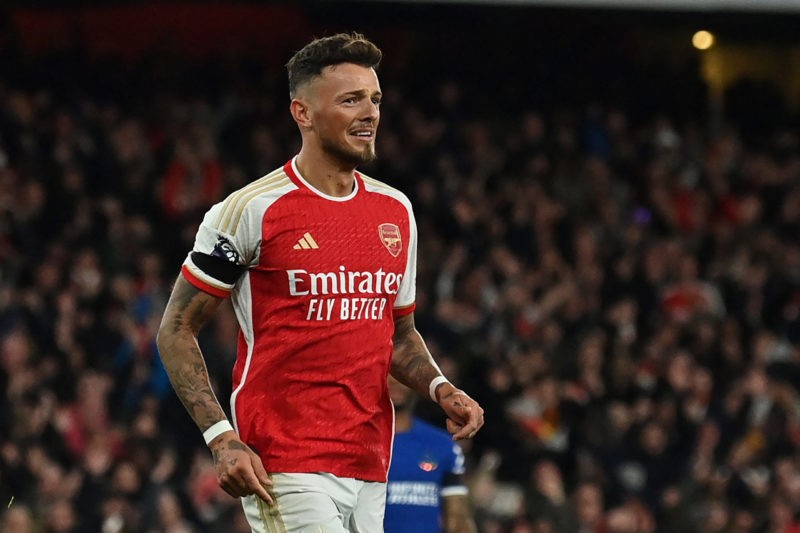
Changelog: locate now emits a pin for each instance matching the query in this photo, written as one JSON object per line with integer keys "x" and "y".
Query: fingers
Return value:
{"x": 232, "y": 484}
{"x": 241, "y": 472}
{"x": 261, "y": 473}
{"x": 243, "y": 481}
{"x": 227, "y": 487}
{"x": 262, "y": 479}
{"x": 453, "y": 427}
{"x": 461, "y": 431}
{"x": 466, "y": 417}
{"x": 254, "y": 486}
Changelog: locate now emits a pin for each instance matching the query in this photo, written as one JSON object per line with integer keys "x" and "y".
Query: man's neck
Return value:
{"x": 325, "y": 174}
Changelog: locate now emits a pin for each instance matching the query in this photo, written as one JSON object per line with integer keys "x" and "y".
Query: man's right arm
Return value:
{"x": 186, "y": 313}
{"x": 239, "y": 469}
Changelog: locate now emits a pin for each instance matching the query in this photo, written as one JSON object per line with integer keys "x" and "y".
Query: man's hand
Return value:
{"x": 464, "y": 415}
{"x": 239, "y": 468}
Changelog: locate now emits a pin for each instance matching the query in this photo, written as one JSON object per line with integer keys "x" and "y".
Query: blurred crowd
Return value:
{"x": 620, "y": 291}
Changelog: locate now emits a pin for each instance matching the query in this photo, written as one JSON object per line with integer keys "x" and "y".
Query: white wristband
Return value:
{"x": 435, "y": 382}
{"x": 216, "y": 430}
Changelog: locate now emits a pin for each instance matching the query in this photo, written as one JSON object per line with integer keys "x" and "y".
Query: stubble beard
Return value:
{"x": 352, "y": 157}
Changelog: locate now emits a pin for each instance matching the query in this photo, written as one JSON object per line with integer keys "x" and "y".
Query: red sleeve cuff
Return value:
{"x": 403, "y": 311}
{"x": 200, "y": 284}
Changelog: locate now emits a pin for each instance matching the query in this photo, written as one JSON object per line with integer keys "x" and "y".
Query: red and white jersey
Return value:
{"x": 324, "y": 278}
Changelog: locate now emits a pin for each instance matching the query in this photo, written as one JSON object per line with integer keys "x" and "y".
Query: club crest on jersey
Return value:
{"x": 428, "y": 464}
{"x": 390, "y": 237}
{"x": 225, "y": 250}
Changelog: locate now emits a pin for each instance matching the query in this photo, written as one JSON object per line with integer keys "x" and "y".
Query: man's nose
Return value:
{"x": 372, "y": 111}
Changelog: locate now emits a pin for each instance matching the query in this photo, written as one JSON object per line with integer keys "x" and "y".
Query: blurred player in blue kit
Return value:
{"x": 426, "y": 492}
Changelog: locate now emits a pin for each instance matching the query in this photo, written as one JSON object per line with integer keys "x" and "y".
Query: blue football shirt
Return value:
{"x": 426, "y": 466}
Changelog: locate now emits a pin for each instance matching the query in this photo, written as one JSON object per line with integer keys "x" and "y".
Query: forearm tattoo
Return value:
{"x": 187, "y": 311}
{"x": 412, "y": 363}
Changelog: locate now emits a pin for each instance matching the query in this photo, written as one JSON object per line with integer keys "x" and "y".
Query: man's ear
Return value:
{"x": 300, "y": 112}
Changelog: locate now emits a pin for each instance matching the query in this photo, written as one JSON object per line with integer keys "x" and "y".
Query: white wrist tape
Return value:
{"x": 435, "y": 382}
{"x": 216, "y": 430}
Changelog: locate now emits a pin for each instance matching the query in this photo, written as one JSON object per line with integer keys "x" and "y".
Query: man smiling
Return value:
{"x": 320, "y": 263}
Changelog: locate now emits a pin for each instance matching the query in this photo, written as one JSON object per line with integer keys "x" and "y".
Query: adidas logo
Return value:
{"x": 306, "y": 242}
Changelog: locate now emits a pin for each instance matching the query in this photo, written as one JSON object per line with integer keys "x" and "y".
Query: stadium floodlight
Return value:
{"x": 703, "y": 40}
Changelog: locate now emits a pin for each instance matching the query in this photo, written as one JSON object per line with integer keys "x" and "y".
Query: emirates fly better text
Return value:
{"x": 346, "y": 294}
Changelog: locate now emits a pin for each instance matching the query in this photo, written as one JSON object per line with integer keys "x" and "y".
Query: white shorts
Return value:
{"x": 318, "y": 503}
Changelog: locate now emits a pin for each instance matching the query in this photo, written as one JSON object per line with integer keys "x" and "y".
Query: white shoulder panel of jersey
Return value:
{"x": 373, "y": 185}
{"x": 232, "y": 209}
{"x": 238, "y": 218}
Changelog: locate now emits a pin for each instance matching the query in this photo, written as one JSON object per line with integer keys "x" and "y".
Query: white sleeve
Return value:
{"x": 229, "y": 237}
{"x": 407, "y": 293}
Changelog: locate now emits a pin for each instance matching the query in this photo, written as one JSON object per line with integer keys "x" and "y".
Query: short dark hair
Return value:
{"x": 308, "y": 62}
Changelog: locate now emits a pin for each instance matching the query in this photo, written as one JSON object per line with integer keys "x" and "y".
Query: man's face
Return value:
{"x": 344, "y": 105}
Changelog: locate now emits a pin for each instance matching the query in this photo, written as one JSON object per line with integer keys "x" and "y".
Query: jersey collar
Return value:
{"x": 294, "y": 174}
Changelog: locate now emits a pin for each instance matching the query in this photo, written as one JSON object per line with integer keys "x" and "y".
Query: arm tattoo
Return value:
{"x": 412, "y": 363}
{"x": 232, "y": 445}
{"x": 187, "y": 311}
{"x": 236, "y": 445}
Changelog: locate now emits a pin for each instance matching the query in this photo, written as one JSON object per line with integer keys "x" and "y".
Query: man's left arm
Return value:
{"x": 456, "y": 511}
{"x": 413, "y": 366}
{"x": 456, "y": 514}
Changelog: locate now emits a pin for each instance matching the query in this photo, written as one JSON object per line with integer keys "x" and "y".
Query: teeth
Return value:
{"x": 364, "y": 134}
